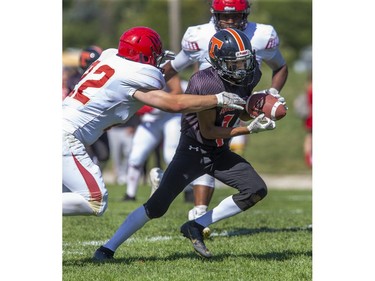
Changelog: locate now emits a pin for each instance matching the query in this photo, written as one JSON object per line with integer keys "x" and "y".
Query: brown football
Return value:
{"x": 265, "y": 103}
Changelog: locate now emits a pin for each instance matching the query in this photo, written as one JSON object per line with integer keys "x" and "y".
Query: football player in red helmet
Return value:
{"x": 230, "y": 13}
{"x": 110, "y": 92}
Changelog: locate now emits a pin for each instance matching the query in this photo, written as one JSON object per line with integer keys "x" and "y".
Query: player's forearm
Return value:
{"x": 176, "y": 103}
{"x": 224, "y": 132}
{"x": 279, "y": 77}
{"x": 194, "y": 103}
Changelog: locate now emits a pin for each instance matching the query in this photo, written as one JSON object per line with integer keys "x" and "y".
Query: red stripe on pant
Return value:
{"x": 94, "y": 189}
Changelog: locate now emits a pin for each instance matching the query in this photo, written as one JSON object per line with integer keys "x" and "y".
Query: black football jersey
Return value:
{"x": 206, "y": 82}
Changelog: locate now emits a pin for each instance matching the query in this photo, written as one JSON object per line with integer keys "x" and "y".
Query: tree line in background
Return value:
{"x": 101, "y": 22}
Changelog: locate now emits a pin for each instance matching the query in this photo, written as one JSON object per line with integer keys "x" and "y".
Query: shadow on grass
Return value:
{"x": 280, "y": 256}
{"x": 271, "y": 256}
{"x": 134, "y": 259}
{"x": 275, "y": 256}
{"x": 247, "y": 231}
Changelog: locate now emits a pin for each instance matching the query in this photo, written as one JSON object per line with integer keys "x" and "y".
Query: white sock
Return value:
{"x": 75, "y": 204}
{"x": 132, "y": 223}
{"x": 134, "y": 176}
{"x": 225, "y": 209}
{"x": 200, "y": 210}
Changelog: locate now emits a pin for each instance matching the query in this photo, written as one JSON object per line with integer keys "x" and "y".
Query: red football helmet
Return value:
{"x": 141, "y": 44}
{"x": 88, "y": 56}
{"x": 238, "y": 9}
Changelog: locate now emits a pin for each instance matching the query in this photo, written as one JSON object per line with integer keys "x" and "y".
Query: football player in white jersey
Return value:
{"x": 265, "y": 42}
{"x": 111, "y": 90}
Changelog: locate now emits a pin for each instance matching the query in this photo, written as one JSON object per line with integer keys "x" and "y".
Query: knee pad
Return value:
{"x": 205, "y": 180}
{"x": 154, "y": 211}
{"x": 247, "y": 198}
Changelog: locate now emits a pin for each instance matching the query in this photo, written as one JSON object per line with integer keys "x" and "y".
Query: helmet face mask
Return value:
{"x": 236, "y": 69}
{"x": 230, "y": 20}
{"x": 166, "y": 55}
{"x": 232, "y": 56}
{"x": 230, "y": 13}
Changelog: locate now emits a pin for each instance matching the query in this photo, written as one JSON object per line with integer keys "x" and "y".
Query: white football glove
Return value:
{"x": 230, "y": 100}
{"x": 274, "y": 92}
{"x": 260, "y": 124}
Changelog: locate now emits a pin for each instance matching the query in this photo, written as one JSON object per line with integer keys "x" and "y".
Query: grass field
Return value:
{"x": 271, "y": 241}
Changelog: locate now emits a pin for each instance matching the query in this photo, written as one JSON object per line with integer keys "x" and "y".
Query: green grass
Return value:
{"x": 271, "y": 241}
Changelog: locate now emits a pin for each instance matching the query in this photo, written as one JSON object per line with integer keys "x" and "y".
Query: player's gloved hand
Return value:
{"x": 260, "y": 124}
{"x": 274, "y": 92}
{"x": 226, "y": 99}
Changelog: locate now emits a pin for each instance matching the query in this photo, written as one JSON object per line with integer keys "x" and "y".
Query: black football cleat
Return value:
{"x": 193, "y": 231}
{"x": 103, "y": 254}
{"x": 128, "y": 198}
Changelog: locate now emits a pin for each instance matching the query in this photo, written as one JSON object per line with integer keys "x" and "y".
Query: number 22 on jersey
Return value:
{"x": 92, "y": 83}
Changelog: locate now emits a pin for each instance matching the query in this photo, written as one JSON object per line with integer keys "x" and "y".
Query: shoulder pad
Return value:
{"x": 264, "y": 36}
{"x": 148, "y": 77}
{"x": 108, "y": 52}
{"x": 195, "y": 36}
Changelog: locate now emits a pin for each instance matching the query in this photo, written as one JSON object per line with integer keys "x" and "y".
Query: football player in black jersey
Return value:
{"x": 204, "y": 146}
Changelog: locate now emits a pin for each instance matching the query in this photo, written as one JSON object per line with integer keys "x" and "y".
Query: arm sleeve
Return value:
{"x": 193, "y": 46}
{"x": 182, "y": 60}
{"x": 271, "y": 53}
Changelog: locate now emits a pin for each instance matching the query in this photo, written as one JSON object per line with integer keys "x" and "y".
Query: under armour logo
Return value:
{"x": 195, "y": 148}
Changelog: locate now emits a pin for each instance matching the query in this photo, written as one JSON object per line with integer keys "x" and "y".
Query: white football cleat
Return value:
{"x": 155, "y": 178}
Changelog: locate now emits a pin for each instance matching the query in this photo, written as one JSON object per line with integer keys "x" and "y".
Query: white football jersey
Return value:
{"x": 263, "y": 38}
{"x": 104, "y": 96}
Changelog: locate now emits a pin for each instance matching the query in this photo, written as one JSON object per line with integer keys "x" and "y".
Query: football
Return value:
{"x": 262, "y": 102}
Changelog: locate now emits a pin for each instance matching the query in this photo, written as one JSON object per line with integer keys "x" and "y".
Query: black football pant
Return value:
{"x": 192, "y": 160}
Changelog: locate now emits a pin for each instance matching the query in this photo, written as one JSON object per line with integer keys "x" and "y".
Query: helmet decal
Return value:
{"x": 214, "y": 43}
{"x": 237, "y": 37}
